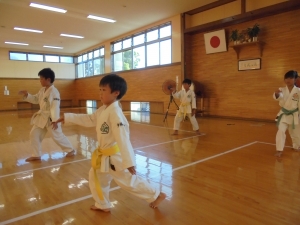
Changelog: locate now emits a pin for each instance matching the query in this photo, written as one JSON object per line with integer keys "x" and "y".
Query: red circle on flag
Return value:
{"x": 215, "y": 41}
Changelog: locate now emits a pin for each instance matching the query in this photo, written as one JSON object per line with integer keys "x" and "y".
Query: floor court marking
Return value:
{"x": 61, "y": 164}
{"x": 168, "y": 128}
{"x": 116, "y": 188}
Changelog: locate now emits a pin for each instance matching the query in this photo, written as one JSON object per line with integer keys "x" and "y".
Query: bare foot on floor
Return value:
{"x": 33, "y": 158}
{"x": 278, "y": 153}
{"x": 71, "y": 153}
{"x": 197, "y": 132}
{"x": 93, "y": 207}
{"x": 175, "y": 133}
{"x": 158, "y": 200}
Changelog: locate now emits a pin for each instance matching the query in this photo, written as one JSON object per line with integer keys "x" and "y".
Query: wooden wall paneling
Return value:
{"x": 143, "y": 85}
{"x": 246, "y": 94}
{"x": 14, "y": 85}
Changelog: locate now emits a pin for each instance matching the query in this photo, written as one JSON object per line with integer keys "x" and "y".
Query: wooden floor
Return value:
{"x": 226, "y": 175}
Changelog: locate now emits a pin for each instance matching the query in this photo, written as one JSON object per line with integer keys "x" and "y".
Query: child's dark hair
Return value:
{"x": 187, "y": 81}
{"x": 47, "y": 73}
{"x": 291, "y": 74}
{"x": 116, "y": 83}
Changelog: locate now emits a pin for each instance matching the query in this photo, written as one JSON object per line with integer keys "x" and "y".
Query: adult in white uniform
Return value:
{"x": 187, "y": 107}
{"x": 288, "y": 116}
{"x": 49, "y": 100}
{"x": 114, "y": 158}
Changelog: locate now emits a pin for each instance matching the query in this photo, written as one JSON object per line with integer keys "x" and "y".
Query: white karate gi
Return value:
{"x": 188, "y": 102}
{"x": 112, "y": 127}
{"x": 289, "y": 101}
{"x": 49, "y": 102}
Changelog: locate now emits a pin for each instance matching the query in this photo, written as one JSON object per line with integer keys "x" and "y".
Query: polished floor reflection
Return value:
{"x": 226, "y": 175}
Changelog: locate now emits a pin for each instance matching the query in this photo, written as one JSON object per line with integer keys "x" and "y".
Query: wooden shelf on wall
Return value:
{"x": 258, "y": 44}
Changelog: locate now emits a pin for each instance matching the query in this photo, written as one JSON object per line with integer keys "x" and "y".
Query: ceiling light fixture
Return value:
{"x": 101, "y": 18}
{"x": 70, "y": 35}
{"x": 15, "y": 43}
{"x": 28, "y": 30}
{"x": 48, "y": 8}
{"x": 47, "y": 46}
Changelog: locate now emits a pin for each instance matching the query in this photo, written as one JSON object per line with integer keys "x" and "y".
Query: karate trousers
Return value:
{"x": 133, "y": 184}
{"x": 281, "y": 137}
{"x": 37, "y": 134}
{"x": 179, "y": 118}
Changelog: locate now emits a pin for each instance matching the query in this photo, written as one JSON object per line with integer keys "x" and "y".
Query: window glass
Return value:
{"x": 51, "y": 58}
{"x": 140, "y": 39}
{"x": 17, "y": 56}
{"x": 165, "y": 31}
{"x": 66, "y": 59}
{"x": 165, "y": 52}
{"x": 152, "y": 35}
{"x": 96, "y": 66}
{"x": 84, "y": 57}
{"x": 80, "y": 70}
{"x": 118, "y": 64}
{"x": 79, "y": 59}
{"x": 127, "y": 43}
{"x": 90, "y": 68}
{"x": 102, "y": 51}
{"x": 90, "y": 55}
{"x": 35, "y": 57}
{"x": 139, "y": 57}
{"x": 96, "y": 53}
{"x": 153, "y": 54}
{"x": 127, "y": 60}
{"x": 101, "y": 65}
{"x": 86, "y": 69}
{"x": 117, "y": 46}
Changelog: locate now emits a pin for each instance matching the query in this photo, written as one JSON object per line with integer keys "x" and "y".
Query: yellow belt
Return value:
{"x": 185, "y": 106}
{"x": 96, "y": 164}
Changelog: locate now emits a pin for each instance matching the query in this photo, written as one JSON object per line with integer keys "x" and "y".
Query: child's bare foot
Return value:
{"x": 158, "y": 200}
{"x": 297, "y": 149}
{"x": 197, "y": 132}
{"x": 71, "y": 153}
{"x": 33, "y": 158}
{"x": 93, "y": 207}
{"x": 175, "y": 132}
{"x": 278, "y": 153}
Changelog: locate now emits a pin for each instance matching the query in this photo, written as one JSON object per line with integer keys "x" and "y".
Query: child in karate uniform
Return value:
{"x": 187, "y": 107}
{"x": 288, "y": 116}
{"x": 114, "y": 158}
{"x": 49, "y": 100}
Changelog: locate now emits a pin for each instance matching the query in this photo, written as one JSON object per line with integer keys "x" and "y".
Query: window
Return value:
{"x": 51, "y": 58}
{"x": 66, "y": 59}
{"x": 148, "y": 48}
{"x": 17, "y": 56}
{"x": 90, "y": 63}
{"x": 39, "y": 57}
{"x": 140, "y": 106}
{"x": 36, "y": 57}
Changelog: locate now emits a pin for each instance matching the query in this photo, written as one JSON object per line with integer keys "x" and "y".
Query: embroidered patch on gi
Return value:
{"x": 120, "y": 124}
{"x": 57, "y": 99}
{"x": 45, "y": 99}
{"x": 104, "y": 128}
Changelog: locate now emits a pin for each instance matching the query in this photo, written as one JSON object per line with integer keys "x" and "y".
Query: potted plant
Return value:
{"x": 254, "y": 31}
{"x": 234, "y": 36}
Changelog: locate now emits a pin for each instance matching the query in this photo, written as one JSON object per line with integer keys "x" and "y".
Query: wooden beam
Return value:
{"x": 243, "y": 6}
{"x": 248, "y": 16}
{"x": 208, "y": 6}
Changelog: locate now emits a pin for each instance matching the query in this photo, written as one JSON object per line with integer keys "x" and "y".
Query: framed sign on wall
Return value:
{"x": 249, "y": 64}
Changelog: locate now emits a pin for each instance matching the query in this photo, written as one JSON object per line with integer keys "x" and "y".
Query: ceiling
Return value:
{"x": 129, "y": 15}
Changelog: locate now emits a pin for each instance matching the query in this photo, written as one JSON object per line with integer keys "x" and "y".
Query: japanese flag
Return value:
{"x": 215, "y": 42}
